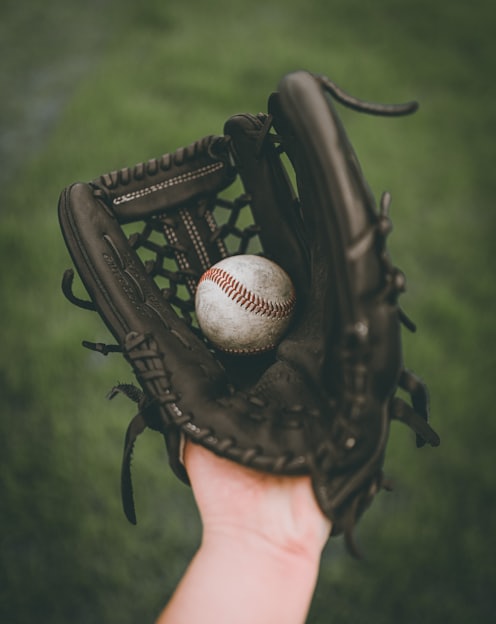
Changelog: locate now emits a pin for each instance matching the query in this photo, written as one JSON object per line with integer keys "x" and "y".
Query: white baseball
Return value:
{"x": 244, "y": 304}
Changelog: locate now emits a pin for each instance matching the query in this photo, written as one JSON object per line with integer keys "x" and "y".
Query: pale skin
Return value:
{"x": 261, "y": 545}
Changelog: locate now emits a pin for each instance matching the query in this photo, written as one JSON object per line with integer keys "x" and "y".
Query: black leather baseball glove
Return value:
{"x": 321, "y": 403}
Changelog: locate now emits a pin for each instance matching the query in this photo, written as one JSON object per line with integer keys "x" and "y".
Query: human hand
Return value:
{"x": 238, "y": 501}
{"x": 262, "y": 540}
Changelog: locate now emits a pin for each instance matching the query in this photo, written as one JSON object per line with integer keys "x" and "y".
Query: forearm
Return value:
{"x": 244, "y": 580}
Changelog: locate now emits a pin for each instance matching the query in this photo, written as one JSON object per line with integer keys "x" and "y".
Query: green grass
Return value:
{"x": 88, "y": 88}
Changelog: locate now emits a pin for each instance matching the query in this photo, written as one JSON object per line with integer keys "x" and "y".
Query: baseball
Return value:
{"x": 244, "y": 304}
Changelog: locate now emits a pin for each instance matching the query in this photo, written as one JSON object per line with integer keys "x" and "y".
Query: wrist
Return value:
{"x": 271, "y": 582}
{"x": 239, "y": 576}
{"x": 262, "y": 542}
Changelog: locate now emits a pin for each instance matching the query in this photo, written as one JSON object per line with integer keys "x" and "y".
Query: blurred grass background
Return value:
{"x": 90, "y": 87}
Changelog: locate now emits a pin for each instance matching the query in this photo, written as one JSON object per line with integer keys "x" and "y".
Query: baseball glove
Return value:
{"x": 321, "y": 403}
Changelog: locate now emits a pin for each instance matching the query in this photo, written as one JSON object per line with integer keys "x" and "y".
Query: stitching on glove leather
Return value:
{"x": 183, "y": 178}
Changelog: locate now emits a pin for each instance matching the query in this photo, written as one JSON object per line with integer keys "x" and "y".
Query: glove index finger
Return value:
{"x": 273, "y": 202}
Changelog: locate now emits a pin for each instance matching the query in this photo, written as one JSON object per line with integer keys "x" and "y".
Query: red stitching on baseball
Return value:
{"x": 246, "y": 299}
